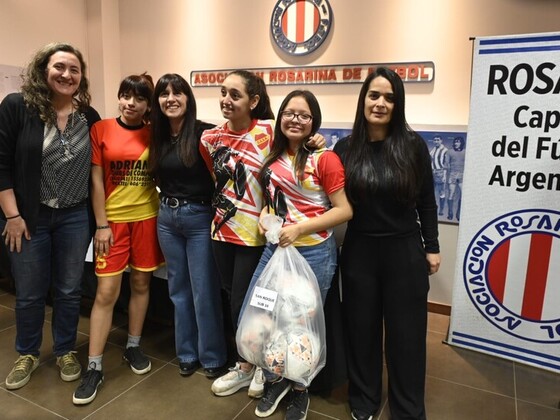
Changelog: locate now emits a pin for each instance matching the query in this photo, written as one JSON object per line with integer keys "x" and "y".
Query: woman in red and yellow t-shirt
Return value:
{"x": 125, "y": 203}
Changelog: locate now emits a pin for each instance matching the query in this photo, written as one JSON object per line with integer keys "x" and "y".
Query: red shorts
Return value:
{"x": 135, "y": 244}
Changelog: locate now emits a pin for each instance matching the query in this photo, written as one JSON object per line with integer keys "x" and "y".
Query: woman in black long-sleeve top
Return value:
{"x": 390, "y": 248}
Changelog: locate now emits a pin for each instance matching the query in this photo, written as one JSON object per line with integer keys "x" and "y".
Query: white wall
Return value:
{"x": 24, "y": 27}
{"x": 103, "y": 32}
{"x": 120, "y": 37}
{"x": 185, "y": 35}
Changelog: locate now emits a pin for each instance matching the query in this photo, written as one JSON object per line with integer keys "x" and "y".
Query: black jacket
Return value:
{"x": 21, "y": 150}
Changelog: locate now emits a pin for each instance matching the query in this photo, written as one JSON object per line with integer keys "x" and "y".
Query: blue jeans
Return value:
{"x": 194, "y": 284}
{"x": 54, "y": 256}
{"x": 322, "y": 259}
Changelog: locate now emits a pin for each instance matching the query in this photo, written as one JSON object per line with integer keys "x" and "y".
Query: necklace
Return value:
{"x": 65, "y": 134}
{"x": 174, "y": 139}
{"x": 65, "y": 113}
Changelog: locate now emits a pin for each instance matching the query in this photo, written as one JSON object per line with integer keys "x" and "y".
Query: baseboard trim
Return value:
{"x": 439, "y": 308}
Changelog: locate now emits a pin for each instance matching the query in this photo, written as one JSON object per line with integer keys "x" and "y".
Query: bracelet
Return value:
{"x": 12, "y": 217}
{"x": 102, "y": 227}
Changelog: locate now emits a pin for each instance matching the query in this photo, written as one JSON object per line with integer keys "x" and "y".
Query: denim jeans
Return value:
{"x": 54, "y": 256}
{"x": 194, "y": 284}
{"x": 322, "y": 259}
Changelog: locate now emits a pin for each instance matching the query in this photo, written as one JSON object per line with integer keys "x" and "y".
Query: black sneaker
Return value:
{"x": 297, "y": 409}
{"x": 273, "y": 394}
{"x": 188, "y": 368}
{"x": 212, "y": 373}
{"x": 360, "y": 415}
{"x": 138, "y": 362}
{"x": 87, "y": 391}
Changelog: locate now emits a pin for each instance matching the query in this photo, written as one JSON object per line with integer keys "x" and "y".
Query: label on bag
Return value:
{"x": 264, "y": 298}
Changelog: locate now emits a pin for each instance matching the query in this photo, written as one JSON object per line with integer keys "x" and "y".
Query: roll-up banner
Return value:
{"x": 506, "y": 295}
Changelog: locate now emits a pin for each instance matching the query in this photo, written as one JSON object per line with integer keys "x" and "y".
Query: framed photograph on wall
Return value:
{"x": 10, "y": 79}
{"x": 333, "y": 135}
{"x": 447, "y": 147}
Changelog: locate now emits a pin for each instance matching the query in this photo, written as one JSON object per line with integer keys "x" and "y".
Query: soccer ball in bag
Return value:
{"x": 255, "y": 332}
{"x": 275, "y": 354}
{"x": 302, "y": 354}
{"x": 298, "y": 300}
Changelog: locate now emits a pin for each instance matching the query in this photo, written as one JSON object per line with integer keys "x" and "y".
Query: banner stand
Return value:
{"x": 507, "y": 278}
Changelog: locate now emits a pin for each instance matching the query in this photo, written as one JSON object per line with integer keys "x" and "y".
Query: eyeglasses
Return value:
{"x": 301, "y": 118}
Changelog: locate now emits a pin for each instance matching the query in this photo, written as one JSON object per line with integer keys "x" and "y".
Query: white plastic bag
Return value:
{"x": 282, "y": 328}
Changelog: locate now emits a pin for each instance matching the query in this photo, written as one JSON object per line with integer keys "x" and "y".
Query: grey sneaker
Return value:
{"x": 256, "y": 389}
{"x": 70, "y": 368}
{"x": 273, "y": 394}
{"x": 138, "y": 362}
{"x": 21, "y": 372}
{"x": 232, "y": 381}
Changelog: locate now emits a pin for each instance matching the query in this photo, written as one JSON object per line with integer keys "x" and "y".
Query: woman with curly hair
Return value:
{"x": 45, "y": 160}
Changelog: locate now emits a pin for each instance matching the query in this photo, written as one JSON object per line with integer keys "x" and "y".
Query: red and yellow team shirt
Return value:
{"x": 130, "y": 193}
{"x": 297, "y": 200}
{"x": 235, "y": 159}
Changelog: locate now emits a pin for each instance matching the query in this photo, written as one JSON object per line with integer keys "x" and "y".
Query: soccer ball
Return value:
{"x": 298, "y": 300}
{"x": 275, "y": 354}
{"x": 302, "y": 354}
{"x": 253, "y": 333}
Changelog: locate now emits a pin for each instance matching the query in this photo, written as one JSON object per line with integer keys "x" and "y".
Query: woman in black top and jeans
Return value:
{"x": 390, "y": 248}
{"x": 45, "y": 160}
{"x": 184, "y": 219}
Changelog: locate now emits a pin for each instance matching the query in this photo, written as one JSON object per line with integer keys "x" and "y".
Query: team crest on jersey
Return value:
{"x": 262, "y": 140}
{"x": 511, "y": 272}
{"x": 299, "y": 27}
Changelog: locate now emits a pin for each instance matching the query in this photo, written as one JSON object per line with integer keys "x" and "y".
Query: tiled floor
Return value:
{"x": 460, "y": 384}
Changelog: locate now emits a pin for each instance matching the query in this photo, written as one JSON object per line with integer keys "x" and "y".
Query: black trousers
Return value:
{"x": 384, "y": 299}
{"x": 236, "y": 265}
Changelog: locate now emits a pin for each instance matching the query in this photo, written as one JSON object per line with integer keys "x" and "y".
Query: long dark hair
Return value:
{"x": 401, "y": 149}
{"x": 254, "y": 85}
{"x": 35, "y": 89}
{"x": 281, "y": 142}
{"x": 141, "y": 85}
{"x": 161, "y": 130}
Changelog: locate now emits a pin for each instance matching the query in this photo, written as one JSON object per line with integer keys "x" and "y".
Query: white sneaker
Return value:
{"x": 232, "y": 381}
{"x": 256, "y": 389}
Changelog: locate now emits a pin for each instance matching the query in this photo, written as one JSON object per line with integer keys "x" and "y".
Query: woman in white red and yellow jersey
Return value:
{"x": 305, "y": 188}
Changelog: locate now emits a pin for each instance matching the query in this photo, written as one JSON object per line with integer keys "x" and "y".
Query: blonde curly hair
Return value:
{"x": 36, "y": 92}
